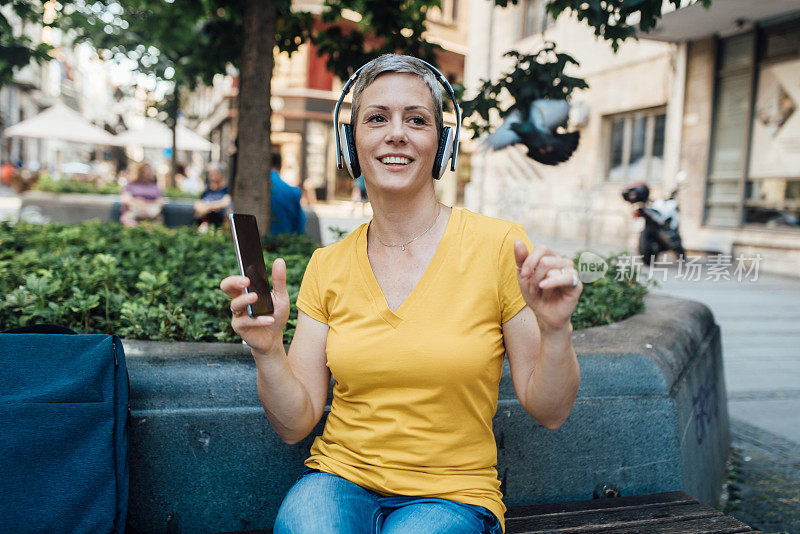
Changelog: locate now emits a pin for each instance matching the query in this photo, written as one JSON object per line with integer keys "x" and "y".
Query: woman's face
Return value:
{"x": 396, "y": 136}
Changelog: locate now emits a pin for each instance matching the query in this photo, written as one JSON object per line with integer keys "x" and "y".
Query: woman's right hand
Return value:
{"x": 262, "y": 333}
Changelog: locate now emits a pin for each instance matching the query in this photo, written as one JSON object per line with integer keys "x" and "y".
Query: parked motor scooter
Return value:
{"x": 660, "y": 216}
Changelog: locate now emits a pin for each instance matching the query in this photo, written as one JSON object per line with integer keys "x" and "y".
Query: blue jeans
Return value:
{"x": 322, "y": 503}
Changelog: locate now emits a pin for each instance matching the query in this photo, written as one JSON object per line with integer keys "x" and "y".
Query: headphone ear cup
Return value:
{"x": 349, "y": 151}
{"x": 443, "y": 153}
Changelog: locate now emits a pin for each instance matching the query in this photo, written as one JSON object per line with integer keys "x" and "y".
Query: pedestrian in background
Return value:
{"x": 213, "y": 205}
{"x": 359, "y": 196}
{"x": 142, "y": 199}
{"x": 287, "y": 213}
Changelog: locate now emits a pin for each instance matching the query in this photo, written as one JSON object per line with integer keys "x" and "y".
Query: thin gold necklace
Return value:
{"x": 403, "y": 245}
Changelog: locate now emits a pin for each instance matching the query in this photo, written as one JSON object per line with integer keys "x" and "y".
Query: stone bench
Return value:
{"x": 651, "y": 416}
{"x": 74, "y": 208}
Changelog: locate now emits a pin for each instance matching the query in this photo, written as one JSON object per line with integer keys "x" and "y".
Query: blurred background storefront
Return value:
{"x": 740, "y": 133}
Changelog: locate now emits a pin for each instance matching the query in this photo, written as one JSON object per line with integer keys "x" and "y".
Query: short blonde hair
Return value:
{"x": 395, "y": 63}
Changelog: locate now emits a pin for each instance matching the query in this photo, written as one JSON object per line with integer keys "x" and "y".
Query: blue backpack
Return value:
{"x": 63, "y": 433}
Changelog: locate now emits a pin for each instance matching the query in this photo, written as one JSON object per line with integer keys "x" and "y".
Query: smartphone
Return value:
{"x": 251, "y": 262}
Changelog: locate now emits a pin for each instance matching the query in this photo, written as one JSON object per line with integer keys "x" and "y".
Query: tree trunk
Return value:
{"x": 172, "y": 122}
{"x": 251, "y": 187}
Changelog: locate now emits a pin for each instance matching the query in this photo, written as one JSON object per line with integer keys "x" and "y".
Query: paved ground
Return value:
{"x": 764, "y": 480}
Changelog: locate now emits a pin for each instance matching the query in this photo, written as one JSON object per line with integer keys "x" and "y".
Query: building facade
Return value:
{"x": 627, "y": 119}
{"x": 710, "y": 94}
{"x": 740, "y": 128}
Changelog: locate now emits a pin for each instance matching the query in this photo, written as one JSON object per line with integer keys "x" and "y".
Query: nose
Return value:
{"x": 396, "y": 133}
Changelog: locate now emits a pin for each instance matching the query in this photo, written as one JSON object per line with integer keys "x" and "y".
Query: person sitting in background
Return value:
{"x": 188, "y": 182}
{"x": 215, "y": 201}
{"x": 6, "y": 172}
{"x": 142, "y": 199}
{"x": 287, "y": 214}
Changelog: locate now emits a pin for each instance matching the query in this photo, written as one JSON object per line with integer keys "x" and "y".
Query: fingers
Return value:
{"x": 279, "y": 276}
{"x": 239, "y": 304}
{"x": 544, "y": 269}
{"x": 242, "y": 321}
{"x": 563, "y": 278}
{"x": 520, "y": 253}
{"x": 531, "y": 262}
{"x": 233, "y": 286}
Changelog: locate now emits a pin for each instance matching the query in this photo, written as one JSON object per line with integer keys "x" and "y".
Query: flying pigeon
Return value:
{"x": 538, "y": 132}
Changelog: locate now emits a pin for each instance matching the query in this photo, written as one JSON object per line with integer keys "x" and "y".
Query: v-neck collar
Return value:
{"x": 394, "y": 318}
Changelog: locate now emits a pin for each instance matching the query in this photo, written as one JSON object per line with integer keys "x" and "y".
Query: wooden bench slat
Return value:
{"x": 595, "y": 520}
{"x": 597, "y": 504}
{"x": 710, "y": 525}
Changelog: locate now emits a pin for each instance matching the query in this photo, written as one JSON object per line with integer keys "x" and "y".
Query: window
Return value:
{"x": 534, "y": 17}
{"x": 754, "y": 166}
{"x": 636, "y": 145}
{"x": 772, "y": 188}
{"x": 729, "y": 130}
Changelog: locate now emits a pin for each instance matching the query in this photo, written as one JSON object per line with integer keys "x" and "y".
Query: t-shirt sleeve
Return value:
{"x": 309, "y": 298}
{"x": 511, "y": 301}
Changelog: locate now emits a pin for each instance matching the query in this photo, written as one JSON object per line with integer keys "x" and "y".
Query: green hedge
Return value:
{"x": 147, "y": 282}
{"x": 609, "y": 299}
{"x": 47, "y": 184}
{"x": 155, "y": 283}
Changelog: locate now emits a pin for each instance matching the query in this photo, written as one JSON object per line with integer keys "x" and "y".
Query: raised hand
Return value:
{"x": 546, "y": 280}
{"x": 265, "y": 332}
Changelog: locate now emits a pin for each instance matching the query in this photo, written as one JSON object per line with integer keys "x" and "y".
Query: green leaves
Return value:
{"x": 610, "y": 299}
{"x": 141, "y": 283}
{"x": 615, "y": 20}
{"x": 384, "y": 27}
{"x": 533, "y": 76}
{"x": 16, "y": 49}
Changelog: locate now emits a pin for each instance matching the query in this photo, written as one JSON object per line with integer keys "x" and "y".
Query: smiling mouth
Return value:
{"x": 395, "y": 160}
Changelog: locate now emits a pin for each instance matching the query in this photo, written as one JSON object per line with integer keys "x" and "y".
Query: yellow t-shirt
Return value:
{"x": 416, "y": 389}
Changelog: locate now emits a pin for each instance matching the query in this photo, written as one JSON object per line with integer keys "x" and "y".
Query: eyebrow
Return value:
{"x": 407, "y": 108}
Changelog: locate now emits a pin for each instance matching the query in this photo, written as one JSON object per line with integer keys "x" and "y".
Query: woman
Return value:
{"x": 411, "y": 313}
{"x": 141, "y": 199}
{"x": 213, "y": 205}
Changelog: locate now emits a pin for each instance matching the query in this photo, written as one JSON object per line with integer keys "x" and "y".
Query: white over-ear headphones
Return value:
{"x": 346, "y": 144}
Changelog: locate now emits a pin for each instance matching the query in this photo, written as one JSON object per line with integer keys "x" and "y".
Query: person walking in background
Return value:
{"x": 142, "y": 199}
{"x": 287, "y": 214}
{"x": 214, "y": 203}
{"x": 359, "y": 196}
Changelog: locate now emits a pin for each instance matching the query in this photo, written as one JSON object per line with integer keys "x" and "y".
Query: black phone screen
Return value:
{"x": 251, "y": 261}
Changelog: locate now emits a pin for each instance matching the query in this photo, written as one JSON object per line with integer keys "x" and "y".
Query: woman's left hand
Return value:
{"x": 546, "y": 279}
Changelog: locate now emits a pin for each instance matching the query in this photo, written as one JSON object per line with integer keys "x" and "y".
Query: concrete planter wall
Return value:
{"x": 651, "y": 416}
{"x": 73, "y": 208}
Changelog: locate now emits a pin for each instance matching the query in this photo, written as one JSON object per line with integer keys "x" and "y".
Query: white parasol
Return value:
{"x": 62, "y": 123}
{"x": 155, "y": 134}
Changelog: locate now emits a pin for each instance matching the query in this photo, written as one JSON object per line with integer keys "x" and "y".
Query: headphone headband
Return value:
{"x": 442, "y": 80}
